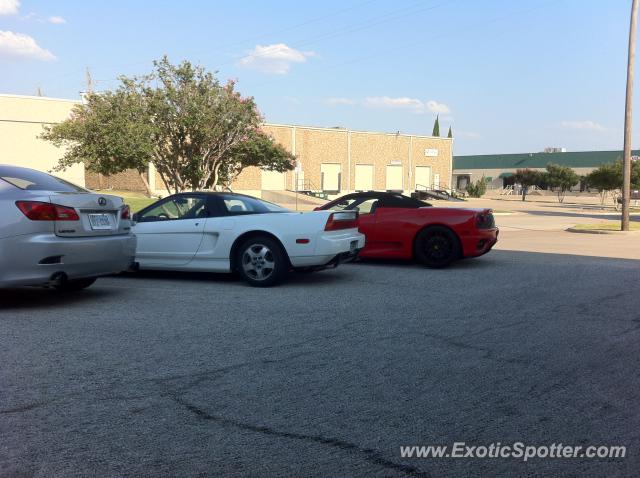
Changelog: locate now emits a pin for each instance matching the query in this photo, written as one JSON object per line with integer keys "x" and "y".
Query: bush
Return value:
{"x": 477, "y": 189}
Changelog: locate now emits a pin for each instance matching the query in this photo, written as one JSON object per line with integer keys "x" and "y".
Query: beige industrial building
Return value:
{"x": 22, "y": 119}
{"x": 329, "y": 160}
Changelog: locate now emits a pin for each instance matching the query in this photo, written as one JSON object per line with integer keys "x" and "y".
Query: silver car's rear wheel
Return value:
{"x": 261, "y": 261}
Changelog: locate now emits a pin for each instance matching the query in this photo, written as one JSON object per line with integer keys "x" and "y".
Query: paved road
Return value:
{"x": 328, "y": 375}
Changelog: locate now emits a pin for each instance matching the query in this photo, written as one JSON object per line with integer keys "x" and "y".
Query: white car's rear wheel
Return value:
{"x": 261, "y": 261}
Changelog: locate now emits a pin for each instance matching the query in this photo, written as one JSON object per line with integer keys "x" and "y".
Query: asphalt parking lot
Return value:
{"x": 327, "y": 375}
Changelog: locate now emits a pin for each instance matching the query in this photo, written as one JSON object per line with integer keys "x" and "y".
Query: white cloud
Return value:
{"x": 56, "y": 20}
{"x": 274, "y": 59}
{"x": 388, "y": 102}
{"x": 436, "y": 107}
{"x": 587, "y": 125}
{"x": 9, "y": 7}
{"x": 339, "y": 101}
{"x": 404, "y": 102}
{"x": 22, "y": 46}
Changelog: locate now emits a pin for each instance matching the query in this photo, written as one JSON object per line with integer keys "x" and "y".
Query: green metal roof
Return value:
{"x": 580, "y": 159}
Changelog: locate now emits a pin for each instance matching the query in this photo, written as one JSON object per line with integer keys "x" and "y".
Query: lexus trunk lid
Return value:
{"x": 99, "y": 215}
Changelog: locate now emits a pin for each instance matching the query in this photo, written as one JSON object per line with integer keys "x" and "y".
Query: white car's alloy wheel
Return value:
{"x": 258, "y": 262}
{"x": 262, "y": 262}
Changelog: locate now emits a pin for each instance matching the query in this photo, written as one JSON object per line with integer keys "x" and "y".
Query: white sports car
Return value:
{"x": 226, "y": 232}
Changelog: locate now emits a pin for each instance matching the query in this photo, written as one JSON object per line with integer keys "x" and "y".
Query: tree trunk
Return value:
{"x": 166, "y": 183}
{"x": 146, "y": 184}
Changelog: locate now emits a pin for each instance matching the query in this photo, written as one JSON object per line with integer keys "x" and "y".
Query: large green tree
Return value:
{"x": 197, "y": 132}
{"x": 563, "y": 178}
{"x": 450, "y": 133}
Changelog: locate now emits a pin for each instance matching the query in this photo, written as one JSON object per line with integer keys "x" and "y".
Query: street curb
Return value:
{"x": 601, "y": 231}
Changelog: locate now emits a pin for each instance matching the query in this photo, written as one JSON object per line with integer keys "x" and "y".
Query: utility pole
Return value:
{"x": 89, "y": 81}
{"x": 626, "y": 160}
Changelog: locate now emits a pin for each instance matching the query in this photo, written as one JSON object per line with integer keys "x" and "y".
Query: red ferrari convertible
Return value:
{"x": 398, "y": 226}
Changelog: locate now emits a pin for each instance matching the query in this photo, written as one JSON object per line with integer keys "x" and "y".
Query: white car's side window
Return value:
{"x": 175, "y": 208}
{"x": 238, "y": 205}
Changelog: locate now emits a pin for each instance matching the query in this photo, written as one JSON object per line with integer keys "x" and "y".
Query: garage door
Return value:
{"x": 330, "y": 175}
{"x": 394, "y": 178}
{"x": 273, "y": 181}
{"x": 423, "y": 178}
{"x": 364, "y": 177}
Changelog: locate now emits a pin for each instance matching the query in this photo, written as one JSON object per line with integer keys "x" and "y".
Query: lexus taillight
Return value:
{"x": 341, "y": 220}
{"x": 45, "y": 211}
{"x": 126, "y": 212}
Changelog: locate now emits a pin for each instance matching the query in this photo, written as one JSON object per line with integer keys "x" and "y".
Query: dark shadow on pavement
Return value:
{"x": 41, "y": 298}
{"x": 470, "y": 262}
{"x": 178, "y": 275}
{"x": 295, "y": 278}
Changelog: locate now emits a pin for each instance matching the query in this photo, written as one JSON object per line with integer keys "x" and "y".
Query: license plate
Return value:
{"x": 353, "y": 246}
{"x": 100, "y": 221}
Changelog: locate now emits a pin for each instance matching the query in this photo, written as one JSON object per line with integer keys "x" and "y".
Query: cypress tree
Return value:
{"x": 449, "y": 134}
{"x": 436, "y": 127}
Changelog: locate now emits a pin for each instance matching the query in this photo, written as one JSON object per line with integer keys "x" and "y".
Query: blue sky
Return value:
{"x": 509, "y": 76}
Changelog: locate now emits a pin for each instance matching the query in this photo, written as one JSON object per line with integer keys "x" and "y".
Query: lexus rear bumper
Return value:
{"x": 37, "y": 259}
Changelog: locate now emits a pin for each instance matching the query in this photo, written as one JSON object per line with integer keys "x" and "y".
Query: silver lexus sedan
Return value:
{"x": 56, "y": 234}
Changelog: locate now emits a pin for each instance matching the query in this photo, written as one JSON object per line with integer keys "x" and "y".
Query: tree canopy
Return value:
{"x": 197, "y": 132}
{"x": 605, "y": 178}
{"x": 526, "y": 178}
{"x": 563, "y": 178}
{"x": 608, "y": 177}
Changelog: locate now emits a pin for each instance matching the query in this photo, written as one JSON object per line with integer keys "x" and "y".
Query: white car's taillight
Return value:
{"x": 44, "y": 211}
{"x": 126, "y": 212}
{"x": 341, "y": 220}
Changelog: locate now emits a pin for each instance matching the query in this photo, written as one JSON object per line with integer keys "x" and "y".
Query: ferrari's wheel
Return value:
{"x": 436, "y": 247}
{"x": 261, "y": 261}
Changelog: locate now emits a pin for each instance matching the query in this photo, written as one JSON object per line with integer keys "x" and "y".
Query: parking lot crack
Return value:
{"x": 25, "y": 408}
{"x": 369, "y": 454}
{"x": 489, "y": 354}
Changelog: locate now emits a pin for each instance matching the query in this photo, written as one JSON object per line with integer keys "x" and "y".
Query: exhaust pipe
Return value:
{"x": 57, "y": 279}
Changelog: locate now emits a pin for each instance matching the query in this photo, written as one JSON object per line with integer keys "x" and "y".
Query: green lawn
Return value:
{"x": 607, "y": 226}
{"x": 135, "y": 200}
{"x": 138, "y": 203}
